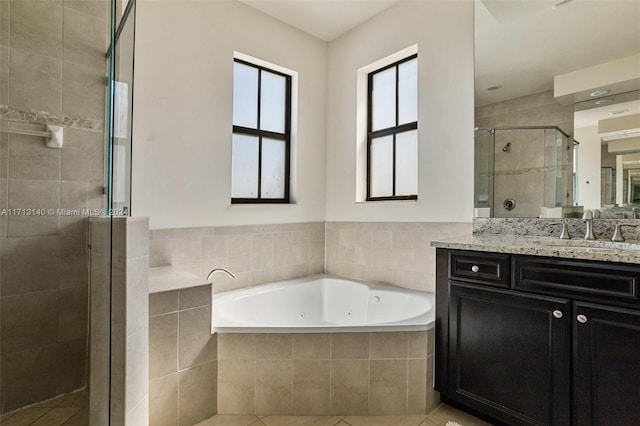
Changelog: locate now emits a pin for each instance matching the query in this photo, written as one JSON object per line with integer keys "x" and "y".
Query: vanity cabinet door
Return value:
{"x": 509, "y": 354}
{"x": 606, "y": 366}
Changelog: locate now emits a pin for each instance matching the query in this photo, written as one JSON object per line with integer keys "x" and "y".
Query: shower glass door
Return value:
{"x": 483, "y": 168}
{"x": 121, "y": 81}
{"x": 107, "y": 253}
{"x": 49, "y": 275}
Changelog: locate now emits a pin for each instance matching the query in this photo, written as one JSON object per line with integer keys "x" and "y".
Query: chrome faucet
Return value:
{"x": 617, "y": 232}
{"x": 226, "y": 271}
{"x": 588, "y": 219}
{"x": 564, "y": 234}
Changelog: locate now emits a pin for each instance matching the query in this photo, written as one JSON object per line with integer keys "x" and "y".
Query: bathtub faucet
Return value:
{"x": 226, "y": 271}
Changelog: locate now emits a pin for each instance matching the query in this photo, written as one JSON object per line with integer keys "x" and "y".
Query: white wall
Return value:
{"x": 183, "y": 112}
{"x": 443, "y": 31}
{"x": 588, "y": 166}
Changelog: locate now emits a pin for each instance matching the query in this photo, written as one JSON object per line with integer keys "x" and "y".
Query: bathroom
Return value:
{"x": 107, "y": 319}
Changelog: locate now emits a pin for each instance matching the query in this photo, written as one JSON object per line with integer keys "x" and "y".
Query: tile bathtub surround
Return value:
{"x": 323, "y": 374}
{"x": 395, "y": 253}
{"x": 182, "y": 357}
{"x": 256, "y": 254}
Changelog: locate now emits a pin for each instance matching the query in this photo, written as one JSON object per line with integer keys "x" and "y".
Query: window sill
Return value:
{"x": 395, "y": 198}
{"x": 390, "y": 200}
{"x": 235, "y": 201}
{"x": 261, "y": 204}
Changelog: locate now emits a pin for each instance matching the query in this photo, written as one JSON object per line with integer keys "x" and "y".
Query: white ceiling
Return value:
{"x": 523, "y": 44}
{"x": 324, "y": 19}
{"x": 590, "y": 117}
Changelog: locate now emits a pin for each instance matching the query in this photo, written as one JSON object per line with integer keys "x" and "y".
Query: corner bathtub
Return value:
{"x": 322, "y": 304}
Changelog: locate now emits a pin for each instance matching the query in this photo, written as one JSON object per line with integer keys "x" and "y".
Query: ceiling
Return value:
{"x": 590, "y": 117}
{"x": 522, "y": 45}
{"x": 324, "y": 19}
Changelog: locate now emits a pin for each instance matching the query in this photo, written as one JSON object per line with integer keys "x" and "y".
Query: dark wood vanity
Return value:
{"x": 531, "y": 340}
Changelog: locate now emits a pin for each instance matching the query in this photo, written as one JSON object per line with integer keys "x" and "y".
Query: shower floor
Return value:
{"x": 439, "y": 417}
{"x": 66, "y": 410}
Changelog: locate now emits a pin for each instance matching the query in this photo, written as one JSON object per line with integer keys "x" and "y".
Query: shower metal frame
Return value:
{"x": 492, "y": 130}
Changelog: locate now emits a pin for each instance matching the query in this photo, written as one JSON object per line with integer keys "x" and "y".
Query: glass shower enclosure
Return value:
{"x": 49, "y": 192}
{"x": 521, "y": 171}
{"x": 107, "y": 258}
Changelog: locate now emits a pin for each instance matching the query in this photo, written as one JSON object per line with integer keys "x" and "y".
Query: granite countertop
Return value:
{"x": 601, "y": 250}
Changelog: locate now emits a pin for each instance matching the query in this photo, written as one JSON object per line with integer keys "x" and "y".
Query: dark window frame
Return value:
{"x": 389, "y": 131}
{"x": 286, "y": 137}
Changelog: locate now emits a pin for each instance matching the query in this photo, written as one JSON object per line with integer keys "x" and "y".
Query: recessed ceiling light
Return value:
{"x": 599, "y": 92}
{"x": 494, "y": 87}
{"x": 604, "y": 101}
{"x": 619, "y": 111}
{"x": 560, "y": 4}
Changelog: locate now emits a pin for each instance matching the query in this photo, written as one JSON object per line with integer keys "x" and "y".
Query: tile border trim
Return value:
{"x": 20, "y": 115}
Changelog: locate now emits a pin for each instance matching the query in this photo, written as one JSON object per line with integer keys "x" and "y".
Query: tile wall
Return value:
{"x": 321, "y": 374}
{"x": 194, "y": 374}
{"x": 395, "y": 253}
{"x": 256, "y": 254}
{"x": 354, "y": 373}
{"x": 520, "y": 172}
{"x": 119, "y": 321}
{"x": 539, "y": 109}
{"x": 51, "y": 70}
{"x": 183, "y": 364}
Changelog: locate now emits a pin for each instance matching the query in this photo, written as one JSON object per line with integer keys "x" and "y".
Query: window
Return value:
{"x": 261, "y": 134}
{"x": 392, "y": 131}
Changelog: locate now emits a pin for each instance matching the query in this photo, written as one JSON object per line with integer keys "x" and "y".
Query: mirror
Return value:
{"x": 557, "y": 107}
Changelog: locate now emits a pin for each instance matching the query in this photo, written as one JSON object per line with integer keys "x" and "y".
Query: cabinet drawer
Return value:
{"x": 580, "y": 280}
{"x": 479, "y": 267}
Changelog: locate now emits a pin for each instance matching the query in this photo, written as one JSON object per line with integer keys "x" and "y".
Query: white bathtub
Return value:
{"x": 321, "y": 304}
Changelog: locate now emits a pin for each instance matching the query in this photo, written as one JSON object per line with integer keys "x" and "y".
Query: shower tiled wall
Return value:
{"x": 256, "y": 254}
{"x": 539, "y": 109}
{"x": 520, "y": 172}
{"x": 51, "y": 71}
{"x": 395, "y": 253}
{"x": 119, "y": 385}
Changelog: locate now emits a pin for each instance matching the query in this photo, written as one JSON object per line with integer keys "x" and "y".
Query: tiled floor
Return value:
{"x": 67, "y": 410}
{"x": 439, "y": 417}
{"x": 73, "y": 410}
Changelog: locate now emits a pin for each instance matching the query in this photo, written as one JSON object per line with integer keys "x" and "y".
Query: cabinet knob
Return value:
{"x": 475, "y": 268}
{"x": 581, "y": 319}
{"x": 557, "y": 313}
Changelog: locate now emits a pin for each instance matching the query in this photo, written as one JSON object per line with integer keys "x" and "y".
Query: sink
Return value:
{"x": 589, "y": 245}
